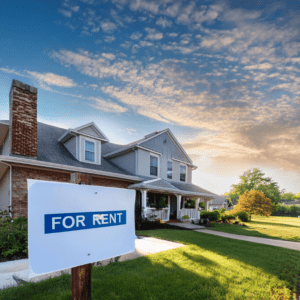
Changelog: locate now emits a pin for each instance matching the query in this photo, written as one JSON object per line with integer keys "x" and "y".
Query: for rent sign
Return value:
{"x": 71, "y": 225}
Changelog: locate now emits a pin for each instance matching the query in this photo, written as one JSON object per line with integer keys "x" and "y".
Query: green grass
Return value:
{"x": 208, "y": 267}
{"x": 283, "y": 228}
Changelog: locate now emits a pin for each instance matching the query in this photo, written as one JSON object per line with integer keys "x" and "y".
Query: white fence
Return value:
{"x": 191, "y": 212}
{"x": 162, "y": 214}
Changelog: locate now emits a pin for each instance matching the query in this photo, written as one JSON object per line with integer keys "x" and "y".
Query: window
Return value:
{"x": 182, "y": 172}
{"x": 153, "y": 165}
{"x": 170, "y": 169}
{"x": 89, "y": 151}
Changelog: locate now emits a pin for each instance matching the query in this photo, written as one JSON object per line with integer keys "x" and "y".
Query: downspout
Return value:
{"x": 10, "y": 186}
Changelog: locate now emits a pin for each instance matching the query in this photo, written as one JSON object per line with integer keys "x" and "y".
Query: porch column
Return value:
{"x": 207, "y": 205}
{"x": 197, "y": 213}
{"x": 169, "y": 208}
{"x": 183, "y": 202}
{"x": 178, "y": 205}
{"x": 144, "y": 203}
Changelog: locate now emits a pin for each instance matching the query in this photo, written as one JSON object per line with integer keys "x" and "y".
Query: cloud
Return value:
{"x": 53, "y": 79}
{"x": 109, "y": 38}
{"x": 65, "y": 13}
{"x": 172, "y": 34}
{"x": 108, "y": 26}
{"x": 109, "y": 56}
{"x": 12, "y": 71}
{"x": 136, "y": 36}
{"x": 153, "y": 34}
{"x": 264, "y": 66}
{"x": 144, "y": 5}
{"x": 173, "y": 10}
{"x": 164, "y": 22}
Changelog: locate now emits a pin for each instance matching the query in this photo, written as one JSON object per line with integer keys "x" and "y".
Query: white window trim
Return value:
{"x": 172, "y": 170}
{"x": 97, "y": 153}
{"x": 158, "y": 165}
{"x": 185, "y": 172}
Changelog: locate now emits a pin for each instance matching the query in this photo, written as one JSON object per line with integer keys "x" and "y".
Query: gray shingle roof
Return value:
{"x": 50, "y": 150}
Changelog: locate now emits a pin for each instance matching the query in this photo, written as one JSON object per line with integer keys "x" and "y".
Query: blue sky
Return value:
{"x": 224, "y": 76}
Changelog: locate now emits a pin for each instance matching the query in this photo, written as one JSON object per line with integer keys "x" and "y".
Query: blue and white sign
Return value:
{"x": 71, "y": 225}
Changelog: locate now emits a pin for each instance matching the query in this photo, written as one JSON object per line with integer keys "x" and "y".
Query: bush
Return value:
{"x": 243, "y": 216}
{"x": 212, "y": 216}
{"x": 13, "y": 237}
{"x": 287, "y": 210}
{"x": 186, "y": 217}
{"x": 226, "y": 218}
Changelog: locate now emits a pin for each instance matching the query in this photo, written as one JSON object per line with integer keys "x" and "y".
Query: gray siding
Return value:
{"x": 165, "y": 145}
{"x": 4, "y": 190}
{"x": 126, "y": 161}
{"x": 89, "y": 130}
{"x": 71, "y": 146}
{"x": 143, "y": 165}
{"x": 168, "y": 151}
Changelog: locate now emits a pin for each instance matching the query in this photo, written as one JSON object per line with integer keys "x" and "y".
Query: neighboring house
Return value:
{"x": 218, "y": 202}
{"x": 155, "y": 166}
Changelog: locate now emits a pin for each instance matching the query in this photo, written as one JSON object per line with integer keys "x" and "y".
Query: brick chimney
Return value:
{"x": 23, "y": 119}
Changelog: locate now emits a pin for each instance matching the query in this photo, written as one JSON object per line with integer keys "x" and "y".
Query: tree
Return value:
{"x": 288, "y": 196}
{"x": 253, "y": 179}
{"x": 254, "y": 202}
{"x": 297, "y": 196}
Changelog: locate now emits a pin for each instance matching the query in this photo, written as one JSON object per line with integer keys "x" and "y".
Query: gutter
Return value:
{"x": 10, "y": 186}
{"x": 37, "y": 163}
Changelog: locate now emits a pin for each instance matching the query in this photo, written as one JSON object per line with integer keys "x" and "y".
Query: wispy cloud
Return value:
{"x": 53, "y": 79}
{"x": 153, "y": 34}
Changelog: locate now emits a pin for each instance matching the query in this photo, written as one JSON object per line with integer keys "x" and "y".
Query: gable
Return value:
{"x": 162, "y": 143}
{"x": 91, "y": 131}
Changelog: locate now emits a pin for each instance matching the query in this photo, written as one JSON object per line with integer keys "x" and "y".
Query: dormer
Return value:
{"x": 84, "y": 143}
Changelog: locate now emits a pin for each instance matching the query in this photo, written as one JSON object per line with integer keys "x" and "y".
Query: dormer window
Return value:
{"x": 89, "y": 151}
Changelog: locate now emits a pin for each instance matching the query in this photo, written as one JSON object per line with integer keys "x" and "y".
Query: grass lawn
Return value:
{"x": 283, "y": 228}
{"x": 208, "y": 267}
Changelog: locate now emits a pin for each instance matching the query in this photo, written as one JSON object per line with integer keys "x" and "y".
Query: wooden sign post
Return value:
{"x": 81, "y": 276}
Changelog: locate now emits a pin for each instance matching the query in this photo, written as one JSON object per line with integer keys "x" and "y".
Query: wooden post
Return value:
{"x": 81, "y": 276}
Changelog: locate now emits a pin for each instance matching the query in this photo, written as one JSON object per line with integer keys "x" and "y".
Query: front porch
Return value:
{"x": 176, "y": 205}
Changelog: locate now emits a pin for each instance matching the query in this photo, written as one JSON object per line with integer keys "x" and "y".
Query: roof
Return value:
{"x": 52, "y": 151}
{"x": 218, "y": 200}
{"x": 174, "y": 187}
{"x": 147, "y": 137}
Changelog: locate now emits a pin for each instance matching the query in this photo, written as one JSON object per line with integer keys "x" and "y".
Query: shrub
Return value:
{"x": 186, "y": 217}
{"x": 13, "y": 237}
{"x": 161, "y": 203}
{"x": 295, "y": 210}
{"x": 243, "y": 216}
{"x": 225, "y": 218}
{"x": 212, "y": 216}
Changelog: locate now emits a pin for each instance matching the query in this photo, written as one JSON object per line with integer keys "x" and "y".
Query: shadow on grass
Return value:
{"x": 275, "y": 224}
{"x": 247, "y": 231}
{"x": 281, "y": 262}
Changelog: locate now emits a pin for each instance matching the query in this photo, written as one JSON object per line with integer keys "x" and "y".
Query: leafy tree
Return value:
{"x": 254, "y": 202}
{"x": 288, "y": 196}
{"x": 297, "y": 196}
{"x": 253, "y": 179}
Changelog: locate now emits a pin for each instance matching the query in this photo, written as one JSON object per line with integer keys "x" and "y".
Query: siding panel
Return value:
{"x": 126, "y": 161}
{"x": 71, "y": 146}
{"x": 89, "y": 130}
{"x": 143, "y": 162}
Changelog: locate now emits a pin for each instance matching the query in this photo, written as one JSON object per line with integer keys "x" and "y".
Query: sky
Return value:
{"x": 224, "y": 76}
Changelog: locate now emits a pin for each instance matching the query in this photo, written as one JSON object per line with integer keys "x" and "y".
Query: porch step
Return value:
{"x": 172, "y": 221}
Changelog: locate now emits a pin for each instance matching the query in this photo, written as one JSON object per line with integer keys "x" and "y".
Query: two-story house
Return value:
{"x": 155, "y": 166}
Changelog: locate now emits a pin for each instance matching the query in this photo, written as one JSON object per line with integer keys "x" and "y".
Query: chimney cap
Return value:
{"x": 23, "y": 86}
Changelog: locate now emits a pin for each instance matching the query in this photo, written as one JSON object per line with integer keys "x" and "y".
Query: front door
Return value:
{"x": 173, "y": 207}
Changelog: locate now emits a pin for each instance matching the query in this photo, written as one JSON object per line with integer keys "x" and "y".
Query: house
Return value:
{"x": 156, "y": 166}
{"x": 218, "y": 202}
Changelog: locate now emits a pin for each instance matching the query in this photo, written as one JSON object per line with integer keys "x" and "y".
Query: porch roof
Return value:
{"x": 179, "y": 188}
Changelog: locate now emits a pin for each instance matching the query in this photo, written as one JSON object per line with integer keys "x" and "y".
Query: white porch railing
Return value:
{"x": 194, "y": 214}
{"x": 163, "y": 214}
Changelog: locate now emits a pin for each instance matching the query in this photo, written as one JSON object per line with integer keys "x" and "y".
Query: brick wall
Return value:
{"x": 23, "y": 119}
{"x": 19, "y": 185}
